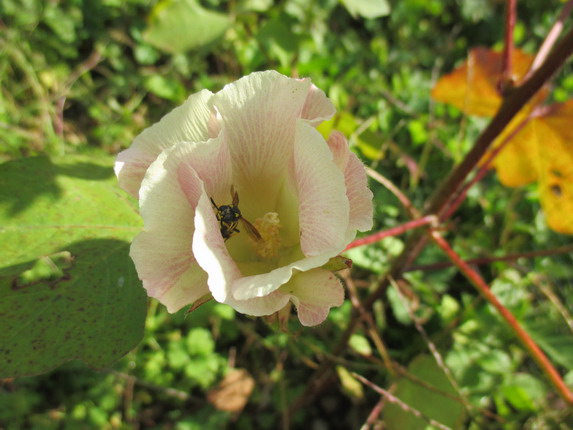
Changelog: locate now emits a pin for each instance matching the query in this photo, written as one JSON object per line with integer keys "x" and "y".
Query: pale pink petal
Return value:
{"x": 193, "y": 121}
{"x": 190, "y": 287}
{"x": 339, "y": 148}
{"x": 261, "y": 285}
{"x": 169, "y": 194}
{"x": 359, "y": 195}
{"x": 317, "y": 107}
{"x": 259, "y": 113}
{"x": 314, "y": 293}
{"x": 162, "y": 252}
{"x": 357, "y": 191}
{"x": 323, "y": 205}
{"x": 210, "y": 251}
{"x": 209, "y": 160}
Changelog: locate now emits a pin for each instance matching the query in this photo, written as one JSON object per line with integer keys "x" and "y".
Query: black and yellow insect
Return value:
{"x": 229, "y": 216}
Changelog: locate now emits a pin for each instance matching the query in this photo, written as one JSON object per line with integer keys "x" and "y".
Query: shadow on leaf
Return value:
{"x": 82, "y": 302}
{"x": 25, "y": 180}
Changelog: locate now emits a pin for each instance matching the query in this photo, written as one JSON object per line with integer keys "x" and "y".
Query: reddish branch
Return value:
{"x": 551, "y": 37}
{"x": 430, "y": 219}
{"x": 460, "y": 196}
{"x": 441, "y": 198}
{"x": 487, "y": 260}
{"x": 515, "y": 101}
{"x": 536, "y": 352}
{"x": 506, "y": 64}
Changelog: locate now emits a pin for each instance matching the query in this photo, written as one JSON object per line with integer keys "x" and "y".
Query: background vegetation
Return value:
{"x": 83, "y": 77}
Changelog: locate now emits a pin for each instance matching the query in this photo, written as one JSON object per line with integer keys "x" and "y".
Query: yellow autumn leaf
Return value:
{"x": 473, "y": 87}
{"x": 516, "y": 163}
{"x": 554, "y": 137}
{"x": 538, "y": 149}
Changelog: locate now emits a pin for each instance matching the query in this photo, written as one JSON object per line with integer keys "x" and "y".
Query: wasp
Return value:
{"x": 229, "y": 217}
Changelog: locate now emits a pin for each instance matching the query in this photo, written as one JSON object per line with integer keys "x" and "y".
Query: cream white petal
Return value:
{"x": 189, "y": 288}
{"x": 314, "y": 293}
{"x": 169, "y": 195}
{"x": 260, "y": 306}
{"x": 211, "y": 161}
{"x": 249, "y": 287}
{"x": 194, "y": 121}
{"x": 317, "y": 107}
{"x": 168, "y": 272}
{"x": 162, "y": 252}
{"x": 258, "y": 115}
{"x": 323, "y": 205}
{"x": 357, "y": 191}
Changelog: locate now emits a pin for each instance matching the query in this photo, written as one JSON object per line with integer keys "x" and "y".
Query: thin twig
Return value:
{"x": 370, "y": 325}
{"x": 93, "y": 60}
{"x": 432, "y": 347}
{"x": 536, "y": 353}
{"x": 487, "y": 260}
{"x": 461, "y": 195}
{"x": 550, "y": 39}
{"x": 546, "y": 289}
{"x": 393, "y": 399}
{"x": 171, "y": 392}
{"x": 402, "y": 198}
{"x": 373, "y": 415}
{"x": 506, "y": 59}
{"x": 394, "y": 231}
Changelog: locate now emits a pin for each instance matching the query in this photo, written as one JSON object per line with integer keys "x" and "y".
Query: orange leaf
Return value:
{"x": 473, "y": 87}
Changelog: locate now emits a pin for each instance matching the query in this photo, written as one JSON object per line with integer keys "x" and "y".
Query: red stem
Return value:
{"x": 537, "y": 354}
{"x": 550, "y": 39}
{"x": 506, "y": 64}
{"x": 460, "y": 196}
{"x": 392, "y": 231}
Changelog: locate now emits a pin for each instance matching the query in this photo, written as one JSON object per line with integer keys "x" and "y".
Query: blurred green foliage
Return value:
{"x": 80, "y": 75}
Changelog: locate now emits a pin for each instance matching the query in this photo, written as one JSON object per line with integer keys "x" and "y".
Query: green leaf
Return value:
{"x": 360, "y": 344}
{"x": 200, "y": 342}
{"x": 524, "y": 391}
{"x": 68, "y": 289}
{"x": 350, "y": 385}
{"x": 165, "y": 88}
{"x": 279, "y": 39}
{"x": 176, "y": 26}
{"x": 431, "y": 403}
{"x": 367, "y": 8}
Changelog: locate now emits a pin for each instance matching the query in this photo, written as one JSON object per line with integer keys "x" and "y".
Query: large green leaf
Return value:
{"x": 176, "y": 26}
{"x": 432, "y": 404}
{"x": 68, "y": 289}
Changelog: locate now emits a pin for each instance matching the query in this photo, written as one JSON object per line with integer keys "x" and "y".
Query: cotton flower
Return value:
{"x": 254, "y": 141}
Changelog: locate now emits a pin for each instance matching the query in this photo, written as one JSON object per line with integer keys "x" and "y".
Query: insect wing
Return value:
{"x": 251, "y": 230}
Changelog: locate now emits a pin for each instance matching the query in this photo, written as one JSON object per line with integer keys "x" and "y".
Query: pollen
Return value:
{"x": 269, "y": 229}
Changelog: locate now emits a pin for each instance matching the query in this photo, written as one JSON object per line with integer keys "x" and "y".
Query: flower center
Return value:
{"x": 269, "y": 229}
